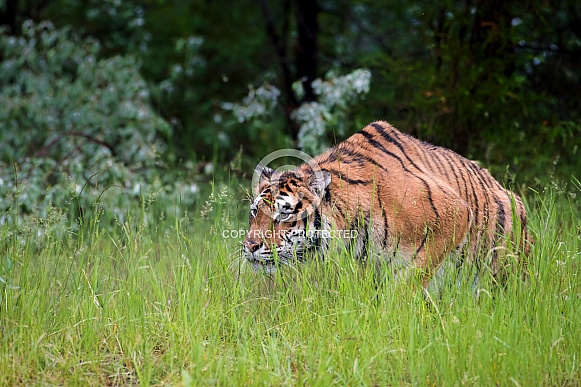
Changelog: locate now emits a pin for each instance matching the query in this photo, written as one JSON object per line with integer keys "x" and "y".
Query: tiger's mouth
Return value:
{"x": 267, "y": 265}
{"x": 261, "y": 260}
{"x": 268, "y": 262}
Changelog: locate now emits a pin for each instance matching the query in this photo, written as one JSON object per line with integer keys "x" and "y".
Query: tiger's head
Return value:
{"x": 284, "y": 215}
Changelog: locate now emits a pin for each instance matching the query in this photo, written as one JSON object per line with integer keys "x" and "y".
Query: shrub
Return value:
{"x": 73, "y": 126}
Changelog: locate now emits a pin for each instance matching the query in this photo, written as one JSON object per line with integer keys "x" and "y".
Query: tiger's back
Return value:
{"x": 402, "y": 194}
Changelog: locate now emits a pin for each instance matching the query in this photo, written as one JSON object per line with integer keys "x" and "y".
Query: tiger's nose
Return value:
{"x": 252, "y": 244}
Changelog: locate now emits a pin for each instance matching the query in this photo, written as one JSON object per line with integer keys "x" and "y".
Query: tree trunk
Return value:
{"x": 8, "y": 17}
{"x": 308, "y": 29}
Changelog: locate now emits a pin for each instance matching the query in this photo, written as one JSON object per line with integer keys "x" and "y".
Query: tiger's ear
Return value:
{"x": 319, "y": 181}
{"x": 264, "y": 174}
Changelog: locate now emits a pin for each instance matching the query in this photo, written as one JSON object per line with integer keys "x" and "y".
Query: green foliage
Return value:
{"x": 169, "y": 303}
{"x": 479, "y": 78}
{"x": 318, "y": 122}
{"x": 126, "y": 90}
{"x": 327, "y": 118}
{"x": 119, "y": 24}
{"x": 489, "y": 79}
{"x": 555, "y": 160}
{"x": 74, "y": 125}
{"x": 172, "y": 91}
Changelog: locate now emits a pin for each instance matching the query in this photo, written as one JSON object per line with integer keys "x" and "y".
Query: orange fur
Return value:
{"x": 422, "y": 200}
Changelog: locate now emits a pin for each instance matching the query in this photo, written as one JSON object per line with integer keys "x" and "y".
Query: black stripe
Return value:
{"x": 492, "y": 183}
{"x": 365, "y": 237}
{"x": 385, "y": 230}
{"x": 451, "y": 163}
{"x": 341, "y": 151}
{"x": 500, "y": 215}
{"x": 421, "y": 147}
{"x": 363, "y": 157}
{"x": 347, "y": 180}
{"x": 523, "y": 226}
{"x": 450, "y": 167}
{"x": 365, "y": 243}
{"x": 436, "y": 155}
{"x": 357, "y": 157}
{"x": 336, "y": 155}
{"x": 416, "y": 146}
{"x": 317, "y": 222}
{"x": 297, "y": 209}
{"x": 430, "y": 198}
{"x": 501, "y": 212}
{"x": 421, "y": 245}
{"x": 430, "y": 164}
{"x": 331, "y": 157}
{"x": 478, "y": 174}
{"x": 370, "y": 160}
{"x": 388, "y": 138}
{"x": 369, "y": 137}
{"x": 381, "y": 131}
{"x": 434, "y": 164}
{"x": 499, "y": 231}
{"x": 485, "y": 176}
{"x": 376, "y": 144}
{"x": 476, "y": 204}
{"x": 327, "y": 195}
{"x": 390, "y": 258}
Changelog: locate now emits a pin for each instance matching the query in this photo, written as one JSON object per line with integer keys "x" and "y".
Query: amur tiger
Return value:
{"x": 388, "y": 194}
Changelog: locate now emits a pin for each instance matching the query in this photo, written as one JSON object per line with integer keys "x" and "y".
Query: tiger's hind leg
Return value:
{"x": 447, "y": 242}
{"x": 431, "y": 224}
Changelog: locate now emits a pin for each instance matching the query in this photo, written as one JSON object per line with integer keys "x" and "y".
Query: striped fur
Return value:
{"x": 398, "y": 193}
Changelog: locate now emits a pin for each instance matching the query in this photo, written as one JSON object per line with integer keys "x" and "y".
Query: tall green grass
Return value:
{"x": 165, "y": 301}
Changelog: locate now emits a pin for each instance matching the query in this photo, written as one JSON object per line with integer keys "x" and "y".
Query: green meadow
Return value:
{"x": 129, "y": 132}
{"x": 164, "y": 299}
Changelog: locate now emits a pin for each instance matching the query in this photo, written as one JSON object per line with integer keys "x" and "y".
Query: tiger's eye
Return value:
{"x": 284, "y": 217}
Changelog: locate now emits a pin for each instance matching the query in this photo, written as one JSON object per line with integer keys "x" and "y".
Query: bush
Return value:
{"x": 319, "y": 122}
{"x": 73, "y": 126}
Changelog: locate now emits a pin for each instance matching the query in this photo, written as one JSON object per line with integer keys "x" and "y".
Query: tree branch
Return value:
{"x": 42, "y": 152}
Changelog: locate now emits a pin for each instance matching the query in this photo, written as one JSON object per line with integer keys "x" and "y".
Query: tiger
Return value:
{"x": 392, "y": 196}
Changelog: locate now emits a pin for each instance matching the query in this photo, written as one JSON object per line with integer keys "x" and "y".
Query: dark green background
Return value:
{"x": 498, "y": 81}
